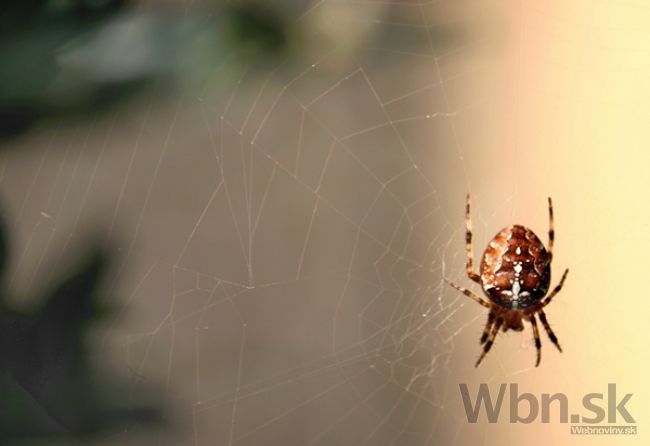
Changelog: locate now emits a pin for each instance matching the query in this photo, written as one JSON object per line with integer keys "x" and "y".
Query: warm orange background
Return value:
{"x": 571, "y": 121}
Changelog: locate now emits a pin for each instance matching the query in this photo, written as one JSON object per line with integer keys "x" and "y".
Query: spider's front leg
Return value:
{"x": 488, "y": 345}
{"x": 538, "y": 343}
{"x": 549, "y": 331}
{"x": 488, "y": 326}
{"x": 468, "y": 244}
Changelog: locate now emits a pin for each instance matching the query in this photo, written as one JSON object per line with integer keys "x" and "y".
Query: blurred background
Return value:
{"x": 227, "y": 223}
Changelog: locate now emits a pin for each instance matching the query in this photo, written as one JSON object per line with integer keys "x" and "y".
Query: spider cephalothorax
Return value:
{"x": 515, "y": 277}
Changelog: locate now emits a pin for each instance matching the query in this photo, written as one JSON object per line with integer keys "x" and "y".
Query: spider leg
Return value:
{"x": 468, "y": 293}
{"x": 468, "y": 244}
{"x": 538, "y": 343}
{"x": 490, "y": 341}
{"x": 556, "y": 290}
{"x": 488, "y": 325}
{"x": 551, "y": 229}
{"x": 549, "y": 331}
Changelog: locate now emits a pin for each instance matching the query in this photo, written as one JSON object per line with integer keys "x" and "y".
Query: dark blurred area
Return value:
{"x": 79, "y": 57}
{"x": 49, "y": 384}
{"x": 33, "y": 33}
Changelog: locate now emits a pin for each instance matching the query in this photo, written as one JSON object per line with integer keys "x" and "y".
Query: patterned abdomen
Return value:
{"x": 516, "y": 268}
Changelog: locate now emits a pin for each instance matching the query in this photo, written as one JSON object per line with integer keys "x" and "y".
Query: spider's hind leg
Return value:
{"x": 551, "y": 229}
{"x": 469, "y": 265}
{"x": 468, "y": 293}
{"x": 556, "y": 290}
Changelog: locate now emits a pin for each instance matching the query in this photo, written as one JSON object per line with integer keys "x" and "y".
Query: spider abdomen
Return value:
{"x": 516, "y": 268}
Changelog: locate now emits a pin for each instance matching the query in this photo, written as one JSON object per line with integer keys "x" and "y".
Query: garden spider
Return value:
{"x": 515, "y": 277}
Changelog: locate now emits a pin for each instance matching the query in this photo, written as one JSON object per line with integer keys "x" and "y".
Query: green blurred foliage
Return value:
{"x": 32, "y": 32}
{"x": 256, "y": 30}
{"x": 48, "y": 383}
{"x": 50, "y": 387}
{"x": 64, "y": 58}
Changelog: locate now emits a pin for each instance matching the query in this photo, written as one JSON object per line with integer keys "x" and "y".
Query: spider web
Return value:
{"x": 286, "y": 238}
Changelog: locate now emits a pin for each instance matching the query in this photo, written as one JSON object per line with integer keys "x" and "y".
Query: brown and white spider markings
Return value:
{"x": 515, "y": 277}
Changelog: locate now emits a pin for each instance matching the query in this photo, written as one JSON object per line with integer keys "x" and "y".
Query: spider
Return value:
{"x": 515, "y": 277}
